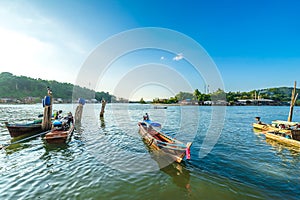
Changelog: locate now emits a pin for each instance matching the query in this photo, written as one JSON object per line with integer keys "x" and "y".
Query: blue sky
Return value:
{"x": 254, "y": 44}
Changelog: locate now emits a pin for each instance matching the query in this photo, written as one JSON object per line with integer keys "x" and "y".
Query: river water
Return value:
{"x": 106, "y": 159}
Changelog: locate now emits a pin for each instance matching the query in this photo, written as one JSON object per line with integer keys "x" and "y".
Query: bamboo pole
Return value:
{"x": 46, "y": 123}
{"x": 78, "y": 113}
{"x": 102, "y": 108}
{"x": 293, "y": 101}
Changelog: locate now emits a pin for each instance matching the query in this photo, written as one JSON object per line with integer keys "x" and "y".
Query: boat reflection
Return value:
{"x": 19, "y": 143}
{"x": 15, "y": 147}
{"x": 102, "y": 122}
{"x": 177, "y": 171}
{"x": 55, "y": 154}
{"x": 294, "y": 151}
{"x": 180, "y": 175}
{"x": 51, "y": 146}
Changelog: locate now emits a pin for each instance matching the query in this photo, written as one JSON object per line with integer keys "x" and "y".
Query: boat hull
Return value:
{"x": 281, "y": 139}
{"x": 268, "y": 127}
{"x": 169, "y": 147}
{"x": 59, "y": 136}
{"x": 16, "y": 130}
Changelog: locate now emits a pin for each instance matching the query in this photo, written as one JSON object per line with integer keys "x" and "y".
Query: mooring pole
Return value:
{"x": 46, "y": 123}
{"x": 78, "y": 111}
{"x": 102, "y": 108}
{"x": 293, "y": 101}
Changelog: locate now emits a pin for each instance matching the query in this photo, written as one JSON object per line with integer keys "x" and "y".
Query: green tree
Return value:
{"x": 172, "y": 100}
{"x": 184, "y": 95}
{"x": 218, "y": 95}
{"x": 142, "y": 101}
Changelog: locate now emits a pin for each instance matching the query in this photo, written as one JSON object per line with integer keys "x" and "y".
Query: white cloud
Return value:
{"x": 178, "y": 57}
{"x": 36, "y": 45}
{"x": 19, "y": 50}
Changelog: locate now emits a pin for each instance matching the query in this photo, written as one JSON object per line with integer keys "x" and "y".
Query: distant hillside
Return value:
{"x": 280, "y": 94}
{"x": 20, "y": 87}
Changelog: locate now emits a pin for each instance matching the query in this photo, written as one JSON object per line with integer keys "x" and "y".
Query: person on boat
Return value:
{"x": 57, "y": 114}
{"x": 146, "y": 117}
{"x": 258, "y": 120}
{"x": 70, "y": 118}
{"x": 67, "y": 120}
{"x": 282, "y": 126}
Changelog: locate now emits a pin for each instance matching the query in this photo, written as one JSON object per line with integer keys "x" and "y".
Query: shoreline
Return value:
{"x": 162, "y": 105}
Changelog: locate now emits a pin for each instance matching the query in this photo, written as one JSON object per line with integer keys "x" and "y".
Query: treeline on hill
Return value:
{"x": 196, "y": 96}
{"x": 21, "y": 87}
{"x": 281, "y": 96}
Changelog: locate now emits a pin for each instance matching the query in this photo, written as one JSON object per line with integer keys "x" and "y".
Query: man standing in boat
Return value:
{"x": 146, "y": 117}
{"x": 67, "y": 120}
{"x": 70, "y": 119}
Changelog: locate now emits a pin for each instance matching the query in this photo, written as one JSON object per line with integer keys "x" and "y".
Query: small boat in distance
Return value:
{"x": 18, "y": 129}
{"x": 160, "y": 107}
{"x": 61, "y": 130}
{"x": 158, "y": 140}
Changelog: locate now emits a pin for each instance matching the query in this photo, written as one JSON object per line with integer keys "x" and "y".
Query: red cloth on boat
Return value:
{"x": 188, "y": 153}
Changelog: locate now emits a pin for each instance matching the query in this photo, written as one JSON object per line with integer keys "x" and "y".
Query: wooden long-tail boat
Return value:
{"x": 59, "y": 136}
{"x": 158, "y": 140}
{"x": 276, "y": 126}
{"x": 61, "y": 131}
{"x": 18, "y": 129}
{"x": 286, "y": 132}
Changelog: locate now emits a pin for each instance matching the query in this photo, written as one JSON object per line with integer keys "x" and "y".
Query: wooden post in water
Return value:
{"x": 102, "y": 108}
{"x": 293, "y": 101}
{"x": 78, "y": 112}
{"x": 46, "y": 123}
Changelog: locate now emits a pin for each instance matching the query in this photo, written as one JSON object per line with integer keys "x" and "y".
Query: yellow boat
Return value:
{"x": 276, "y": 126}
{"x": 291, "y": 140}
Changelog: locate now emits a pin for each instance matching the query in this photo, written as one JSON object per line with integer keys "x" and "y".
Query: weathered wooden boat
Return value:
{"x": 59, "y": 136}
{"x": 18, "y": 129}
{"x": 61, "y": 131}
{"x": 158, "y": 140}
{"x": 276, "y": 126}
